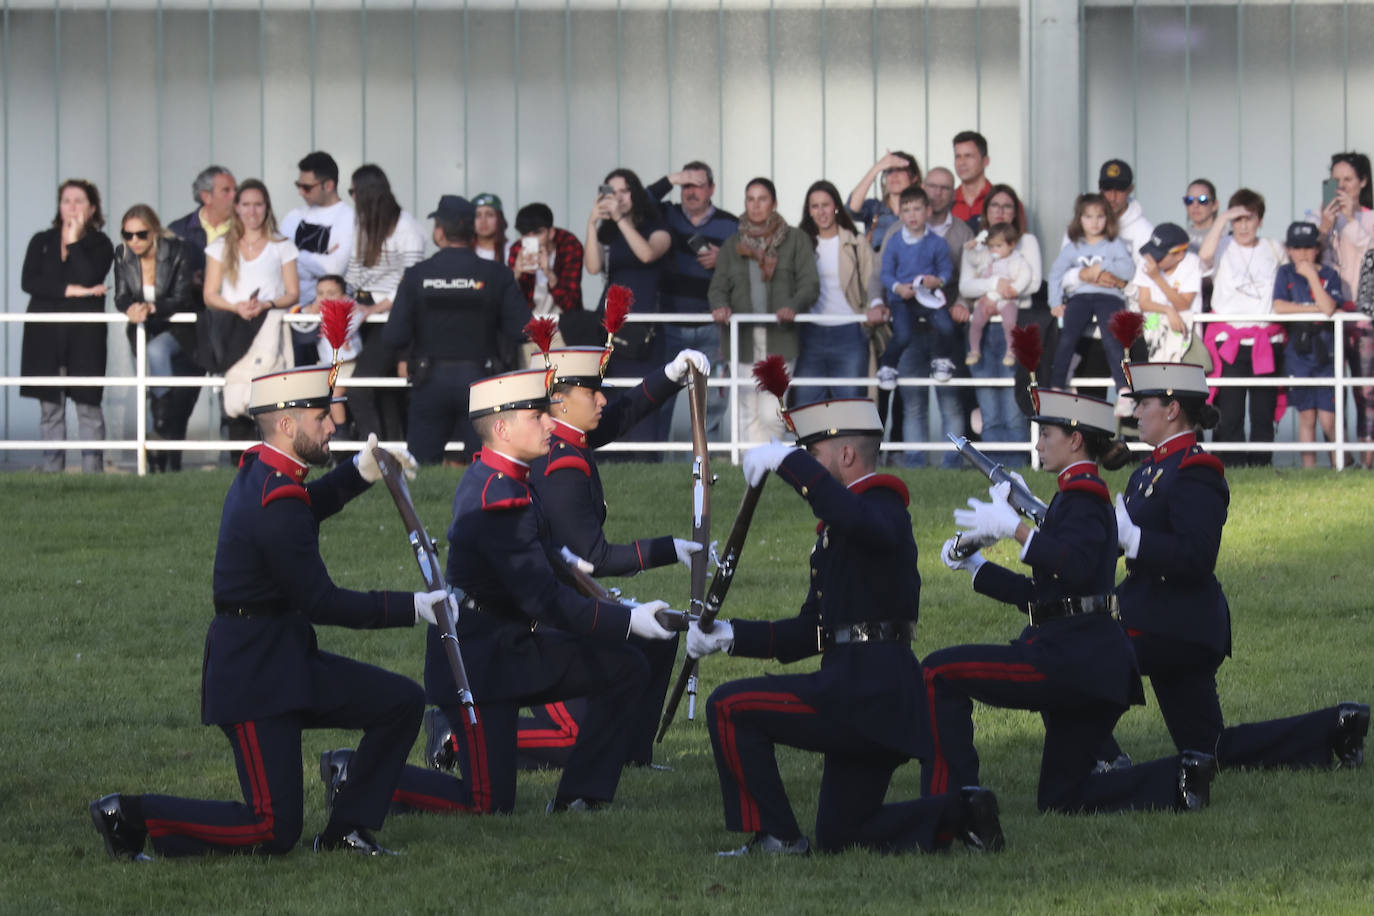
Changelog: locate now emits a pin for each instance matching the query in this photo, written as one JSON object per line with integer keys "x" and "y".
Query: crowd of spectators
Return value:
{"x": 906, "y": 290}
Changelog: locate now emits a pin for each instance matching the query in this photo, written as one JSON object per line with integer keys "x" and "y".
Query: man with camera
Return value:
{"x": 459, "y": 317}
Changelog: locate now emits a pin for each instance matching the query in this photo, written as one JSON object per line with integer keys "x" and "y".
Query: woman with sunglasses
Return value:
{"x": 152, "y": 283}
{"x": 1201, "y": 202}
{"x": 64, "y": 271}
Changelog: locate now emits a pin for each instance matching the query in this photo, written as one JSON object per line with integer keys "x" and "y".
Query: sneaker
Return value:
{"x": 887, "y": 378}
{"x": 973, "y": 358}
{"x": 942, "y": 370}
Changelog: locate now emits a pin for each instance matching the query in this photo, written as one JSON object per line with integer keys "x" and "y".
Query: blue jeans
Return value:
{"x": 161, "y": 349}
{"x": 909, "y": 319}
{"x": 706, "y": 338}
{"x": 915, "y": 363}
{"x": 1002, "y": 419}
{"x": 831, "y": 351}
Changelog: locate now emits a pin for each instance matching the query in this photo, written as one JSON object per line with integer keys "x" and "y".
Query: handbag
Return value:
{"x": 1364, "y": 289}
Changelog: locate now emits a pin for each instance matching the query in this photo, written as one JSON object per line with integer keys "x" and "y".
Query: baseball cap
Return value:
{"x": 487, "y": 199}
{"x": 1115, "y": 175}
{"x": 1165, "y": 238}
{"x": 1303, "y": 235}
{"x": 453, "y": 208}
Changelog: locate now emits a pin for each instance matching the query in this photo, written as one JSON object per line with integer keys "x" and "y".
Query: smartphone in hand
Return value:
{"x": 1330, "y": 187}
{"x": 697, "y": 242}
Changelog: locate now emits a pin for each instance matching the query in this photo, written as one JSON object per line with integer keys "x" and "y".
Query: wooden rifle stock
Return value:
{"x": 428, "y": 559}
{"x": 715, "y": 596}
{"x": 701, "y": 488}
{"x": 667, "y": 618}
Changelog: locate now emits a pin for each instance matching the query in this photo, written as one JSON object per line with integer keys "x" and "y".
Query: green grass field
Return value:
{"x": 107, "y": 597}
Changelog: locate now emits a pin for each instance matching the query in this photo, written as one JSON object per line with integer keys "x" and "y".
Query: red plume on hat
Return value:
{"x": 771, "y": 376}
{"x": 540, "y": 331}
{"x": 1126, "y": 327}
{"x": 619, "y": 300}
{"x": 1027, "y": 348}
{"x": 335, "y": 317}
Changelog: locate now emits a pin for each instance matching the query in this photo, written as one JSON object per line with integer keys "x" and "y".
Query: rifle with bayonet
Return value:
{"x": 577, "y": 567}
{"x": 715, "y": 596}
{"x": 428, "y": 559}
{"x": 1020, "y": 498}
{"x": 701, "y": 489}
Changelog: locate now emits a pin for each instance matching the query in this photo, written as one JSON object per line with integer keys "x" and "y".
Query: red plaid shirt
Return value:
{"x": 567, "y": 268}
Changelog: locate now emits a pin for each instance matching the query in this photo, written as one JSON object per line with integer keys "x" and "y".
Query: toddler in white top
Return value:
{"x": 1007, "y": 263}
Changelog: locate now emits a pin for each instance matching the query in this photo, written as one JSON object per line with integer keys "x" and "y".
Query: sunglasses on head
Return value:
{"x": 141, "y": 235}
{"x": 1189, "y": 199}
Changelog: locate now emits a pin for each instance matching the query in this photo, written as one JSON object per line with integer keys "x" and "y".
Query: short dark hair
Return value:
{"x": 913, "y": 194}
{"x": 696, "y": 165}
{"x": 484, "y": 425}
{"x": 1083, "y": 202}
{"x": 321, "y": 165}
{"x": 533, "y": 218}
{"x": 972, "y": 136}
{"x": 92, "y": 194}
{"x": 462, "y": 231}
{"x": 1007, "y": 232}
{"x": 766, "y": 184}
{"x": 1250, "y": 200}
{"x": 1211, "y": 188}
{"x": 1360, "y": 163}
{"x": 332, "y": 278}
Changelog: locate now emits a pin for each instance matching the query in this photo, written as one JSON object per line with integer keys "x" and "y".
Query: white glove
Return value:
{"x": 887, "y": 378}
{"x": 720, "y": 639}
{"x": 573, "y": 559}
{"x": 989, "y": 521}
{"x": 685, "y": 549}
{"x": 1016, "y": 477}
{"x": 1127, "y": 531}
{"x": 677, "y": 369}
{"x": 426, "y": 603}
{"x": 761, "y": 459}
{"x": 643, "y": 624}
{"x": 971, "y": 563}
{"x": 366, "y": 463}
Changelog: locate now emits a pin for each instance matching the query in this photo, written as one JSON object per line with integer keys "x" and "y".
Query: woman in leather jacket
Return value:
{"x": 152, "y": 283}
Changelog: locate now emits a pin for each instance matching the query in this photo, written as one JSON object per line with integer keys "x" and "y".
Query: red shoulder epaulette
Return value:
{"x": 279, "y": 486}
{"x": 1201, "y": 459}
{"x": 1087, "y": 484}
{"x": 566, "y": 458}
{"x": 884, "y": 482}
{"x": 504, "y": 492}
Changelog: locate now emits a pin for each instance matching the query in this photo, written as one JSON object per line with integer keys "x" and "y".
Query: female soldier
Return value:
{"x": 1072, "y": 663}
{"x": 1169, "y": 526}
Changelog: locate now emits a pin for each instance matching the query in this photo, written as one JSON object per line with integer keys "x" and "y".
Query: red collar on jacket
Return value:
{"x": 569, "y": 433}
{"x": 1179, "y": 443}
{"x": 1077, "y": 469}
{"x": 277, "y": 460}
{"x": 884, "y": 481}
{"x": 504, "y": 464}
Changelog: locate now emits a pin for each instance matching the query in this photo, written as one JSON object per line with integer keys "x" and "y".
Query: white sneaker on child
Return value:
{"x": 887, "y": 378}
{"x": 942, "y": 370}
{"x": 973, "y": 358}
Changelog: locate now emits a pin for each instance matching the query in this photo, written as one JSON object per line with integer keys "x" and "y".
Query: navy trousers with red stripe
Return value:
{"x": 387, "y": 706}
{"x": 749, "y": 717}
{"x": 548, "y": 733}
{"x": 1075, "y": 726}
{"x": 1184, "y": 679}
{"x": 610, "y": 676}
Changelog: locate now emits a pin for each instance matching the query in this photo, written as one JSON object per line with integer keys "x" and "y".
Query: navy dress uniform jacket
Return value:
{"x": 863, "y": 569}
{"x": 456, "y": 306}
{"x": 1073, "y": 554}
{"x": 1179, "y": 498}
{"x": 570, "y": 491}
{"x": 268, "y": 563}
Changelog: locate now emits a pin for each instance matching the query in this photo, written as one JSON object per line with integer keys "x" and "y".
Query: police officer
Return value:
{"x": 456, "y": 314}
{"x": 527, "y": 636}
{"x": 1072, "y": 663}
{"x": 863, "y": 710}
{"x": 1169, "y": 525}
{"x": 568, "y": 485}
{"x": 264, "y": 677}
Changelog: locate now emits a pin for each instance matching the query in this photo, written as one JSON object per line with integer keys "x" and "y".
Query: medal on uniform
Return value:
{"x": 825, "y": 538}
{"x": 1150, "y": 490}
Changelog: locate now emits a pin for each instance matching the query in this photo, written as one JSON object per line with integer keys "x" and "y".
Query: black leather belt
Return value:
{"x": 1041, "y": 611}
{"x": 870, "y": 631}
{"x": 251, "y": 609}
{"x": 469, "y": 605}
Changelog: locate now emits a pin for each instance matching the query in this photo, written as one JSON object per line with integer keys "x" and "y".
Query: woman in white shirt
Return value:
{"x": 845, "y": 261}
{"x": 386, "y": 240}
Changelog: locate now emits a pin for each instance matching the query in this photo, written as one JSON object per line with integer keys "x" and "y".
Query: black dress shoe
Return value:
{"x": 123, "y": 839}
{"x": 765, "y": 844}
{"x": 334, "y": 772}
{"x": 558, "y": 805}
{"x": 359, "y": 840}
{"x": 1195, "y": 772}
{"x": 979, "y": 829}
{"x": 1347, "y": 739}
{"x": 441, "y": 748}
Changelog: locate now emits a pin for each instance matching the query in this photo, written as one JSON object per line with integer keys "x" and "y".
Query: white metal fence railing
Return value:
{"x": 734, "y": 380}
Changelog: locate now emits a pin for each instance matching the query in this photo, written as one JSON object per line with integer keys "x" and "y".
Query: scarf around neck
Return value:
{"x": 760, "y": 241}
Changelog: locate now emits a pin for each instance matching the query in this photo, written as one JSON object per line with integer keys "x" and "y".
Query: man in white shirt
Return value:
{"x": 322, "y": 231}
